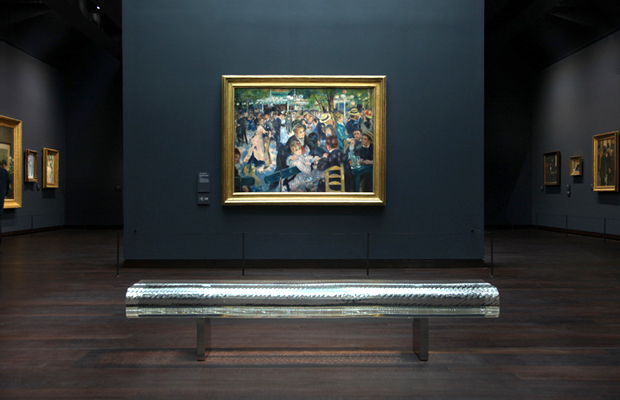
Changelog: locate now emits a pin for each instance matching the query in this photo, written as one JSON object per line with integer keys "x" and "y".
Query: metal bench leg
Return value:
{"x": 203, "y": 338}
{"x": 420, "y": 338}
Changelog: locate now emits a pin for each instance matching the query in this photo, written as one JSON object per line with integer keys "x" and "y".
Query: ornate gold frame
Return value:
{"x": 35, "y": 165}
{"x": 576, "y": 166}
{"x": 54, "y": 153}
{"x": 231, "y": 82}
{"x": 612, "y": 137}
{"x": 547, "y": 178}
{"x": 16, "y": 126}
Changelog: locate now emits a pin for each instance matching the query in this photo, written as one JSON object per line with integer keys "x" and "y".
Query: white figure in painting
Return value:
{"x": 50, "y": 169}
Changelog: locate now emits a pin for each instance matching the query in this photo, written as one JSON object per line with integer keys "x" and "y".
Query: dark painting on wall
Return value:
{"x": 576, "y": 166}
{"x": 551, "y": 168}
{"x": 11, "y": 153}
{"x": 605, "y": 162}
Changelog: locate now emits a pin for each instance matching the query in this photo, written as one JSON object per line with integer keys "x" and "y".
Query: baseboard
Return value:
{"x": 489, "y": 228}
{"x": 507, "y": 226}
{"x": 116, "y": 227}
{"x": 58, "y": 227}
{"x": 577, "y": 232}
{"x": 29, "y": 231}
{"x": 353, "y": 264}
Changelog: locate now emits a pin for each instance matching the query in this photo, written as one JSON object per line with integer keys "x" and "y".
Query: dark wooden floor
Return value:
{"x": 63, "y": 332}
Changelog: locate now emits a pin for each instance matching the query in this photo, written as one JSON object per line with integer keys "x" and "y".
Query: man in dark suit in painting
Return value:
{"x": 332, "y": 158}
{"x": 604, "y": 167}
{"x": 5, "y": 181}
{"x": 611, "y": 166}
{"x": 607, "y": 169}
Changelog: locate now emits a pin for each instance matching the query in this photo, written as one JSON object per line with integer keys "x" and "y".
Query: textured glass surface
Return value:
{"x": 311, "y": 299}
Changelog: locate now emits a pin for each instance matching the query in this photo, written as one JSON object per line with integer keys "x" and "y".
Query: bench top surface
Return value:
{"x": 159, "y": 297}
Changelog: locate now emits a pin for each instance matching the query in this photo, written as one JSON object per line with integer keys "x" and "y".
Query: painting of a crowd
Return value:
{"x": 605, "y": 161}
{"x": 303, "y": 140}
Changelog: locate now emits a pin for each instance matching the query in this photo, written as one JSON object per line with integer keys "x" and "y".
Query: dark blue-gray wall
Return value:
{"x": 508, "y": 137}
{"x": 575, "y": 99}
{"x": 34, "y": 93}
{"x": 94, "y": 138}
{"x": 174, "y": 54}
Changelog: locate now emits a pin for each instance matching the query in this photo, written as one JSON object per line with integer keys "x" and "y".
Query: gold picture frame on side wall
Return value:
{"x": 30, "y": 165}
{"x": 11, "y": 151}
{"x": 605, "y": 162}
{"x": 281, "y": 135}
{"x": 576, "y": 166}
{"x": 551, "y": 168}
{"x": 50, "y": 168}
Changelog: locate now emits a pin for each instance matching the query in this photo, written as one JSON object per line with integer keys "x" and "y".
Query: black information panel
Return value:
{"x": 204, "y": 198}
{"x": 204, "y": 182}
{"x": 204, "y": 188}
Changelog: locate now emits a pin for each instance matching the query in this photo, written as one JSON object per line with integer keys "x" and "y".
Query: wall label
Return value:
{"x": 204, "y": 182}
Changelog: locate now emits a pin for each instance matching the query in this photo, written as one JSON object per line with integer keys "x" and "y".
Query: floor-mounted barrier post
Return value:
{"x": 367, "y": 254}
{"x": 492, "y": 266}
{"x": 243, "y": 254}
{"x": 118, "y": 253}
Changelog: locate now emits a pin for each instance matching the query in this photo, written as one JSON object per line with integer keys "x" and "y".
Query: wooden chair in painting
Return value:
{"x": 334, "y": 179}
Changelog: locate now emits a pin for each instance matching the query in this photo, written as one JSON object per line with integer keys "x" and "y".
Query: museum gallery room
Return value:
{"x": 287, "y": 199}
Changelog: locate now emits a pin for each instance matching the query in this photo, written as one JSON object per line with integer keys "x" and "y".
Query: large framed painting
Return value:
{"x": 605, "y": 162}
{"x": 303, "y": 140}
{"x": 50, "y": 168}
{"x": 551, "y": 168}
{"x": 30, "y": 161}
{"x": 11, "y": 158}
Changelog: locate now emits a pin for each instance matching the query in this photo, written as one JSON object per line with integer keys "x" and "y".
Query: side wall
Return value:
{"x": 575, "y": 99}
{"x": 174, "y": 54}
{"x": 34, "y": 93}
{"x": 507, "y": 137}
{"x": 77, "y": 111}
{"x": 94, "y": 138}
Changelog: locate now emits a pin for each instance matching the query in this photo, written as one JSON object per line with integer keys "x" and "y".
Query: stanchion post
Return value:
{"x": 118, "y": 253}
{"x": 242, "y": 253}
{"x": 492, "y": 266}
{"x": 368, "y": 254}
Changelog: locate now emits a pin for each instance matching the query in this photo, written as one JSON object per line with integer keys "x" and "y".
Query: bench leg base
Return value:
{"x": 203, "y": 338}
{"x": 420, "y": 338}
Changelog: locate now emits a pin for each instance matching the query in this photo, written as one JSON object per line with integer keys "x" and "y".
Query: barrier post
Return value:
{"x": 368, "y": 254}
{"x": 492, "y": 266}
{"x": 118, "y": 253}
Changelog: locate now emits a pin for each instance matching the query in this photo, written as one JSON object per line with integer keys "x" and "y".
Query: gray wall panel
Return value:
{"x": 432, "y": 55}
